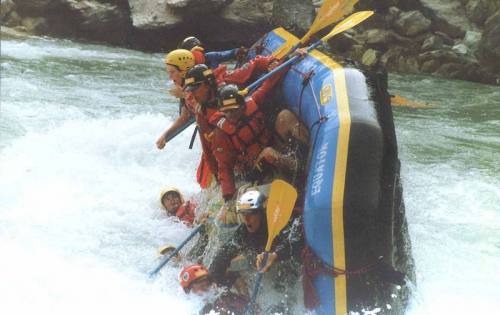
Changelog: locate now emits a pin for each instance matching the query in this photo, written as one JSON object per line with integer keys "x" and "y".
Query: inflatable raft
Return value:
{"x": 353, "y": 208}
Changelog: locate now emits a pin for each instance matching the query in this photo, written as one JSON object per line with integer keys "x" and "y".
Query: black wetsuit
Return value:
{"x": 287, "y": 244}
{"x": 228, "y": 303}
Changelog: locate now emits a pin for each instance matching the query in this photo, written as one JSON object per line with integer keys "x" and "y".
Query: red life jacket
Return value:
{"x": 249, "y": 136}
{"x": 247, "y": 73}
{"x": 199, "y": 55}
{"x": 186, "y": 212}
{"x": 206, "y": 132}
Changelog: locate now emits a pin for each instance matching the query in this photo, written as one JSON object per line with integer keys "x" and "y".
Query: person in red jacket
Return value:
{"x": 241, "y": 132}
{"x": 201, "y": 83}
{"x": 213, "y": 58}
{"x": 177, "y": 63}
{"x": 172, "y": 201}
{"x": 197, "y": 279}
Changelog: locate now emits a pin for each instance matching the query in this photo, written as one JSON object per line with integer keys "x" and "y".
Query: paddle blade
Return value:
{"x": 330, "y": 12}
{"x": 398, "y": 100}
{"x": 280, "y": 203}
{"x": 348, "y": 23}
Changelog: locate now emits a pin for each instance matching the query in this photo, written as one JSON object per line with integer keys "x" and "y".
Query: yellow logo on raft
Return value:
{"x": 325, "y": 95}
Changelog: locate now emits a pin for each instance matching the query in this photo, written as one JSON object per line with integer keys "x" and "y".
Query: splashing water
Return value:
{"x": 80, "y": 175}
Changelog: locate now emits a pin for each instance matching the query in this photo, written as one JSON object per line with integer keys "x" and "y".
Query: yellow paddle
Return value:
{"x": 397, "y": 100}
{"x": 330, "y": 12}
{"x": 280, "y": 203}
{"x": 349, "y": 22}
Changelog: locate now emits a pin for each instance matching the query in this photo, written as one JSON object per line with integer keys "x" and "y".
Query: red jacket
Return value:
{"x": 239, "y": 144}
{"x": 186, "y": 212}
{"x": 205, "y": 130}
{"x": 247, "y": 73}
{"x": 199, "y": 56}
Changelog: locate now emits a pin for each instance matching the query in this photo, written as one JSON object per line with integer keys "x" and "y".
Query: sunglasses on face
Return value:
{"x": 192, "y": 87}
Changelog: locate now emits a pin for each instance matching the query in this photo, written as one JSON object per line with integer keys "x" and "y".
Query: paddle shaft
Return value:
{"x": 290, "y": 61}
{"x": 347, "y": 23}
{"x": 172, "y": 254}
{"x": 180, "y": 129}
{"x": 255, "y": 290}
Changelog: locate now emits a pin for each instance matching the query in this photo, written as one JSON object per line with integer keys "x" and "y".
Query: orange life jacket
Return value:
{"x": 186, "y": 212}
{"x": 249, "y": 136}
{"x": 199, "y": 55}
{"x": 205, "y": 129}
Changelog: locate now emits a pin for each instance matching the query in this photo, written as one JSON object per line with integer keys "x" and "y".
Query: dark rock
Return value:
{"x": 96, "y": 21}
{"x": 12, "y": 20}
{"x": 408, "y": 64}
{"x": 380, "y": 6}
{"x": 178, "y": 3}
{"x": 371, "y": 57}
{"x": 408, "y": 5}
{"x": 489, "y": 47}
{"x": 443, "y": 56}
{"x": 342, "y": 42}
{"x": 449, "y": 70}
{"x": 250, "y": 12}
{"x": 35, "y": 7}
{"x": 8, "y": 33}
{"x": 384, "y": 38}
{"x": 477, "y": 11}
{"x": 150, "y": 14}
{"x": 461, "y": 49}
{"x": 198, "y": 9}
{"x": 444, "y": 26}
{"x": 412, "y": 23}
{"x": 293, "y": 15}
{"x": 375, "y": 21}
{"x": 35, "y": 25}
{"x": 357, "y": 52}
{"x": 390, "y": 58}
{"x": 430, "y": 66}
{"x": 447, "y": 16}
{"x": 447, "y": 40}
{"x": 472, "y": 40}
{"x": 432, "y": 42}
{"x": 6, "y": 7}
{"x": 391, "y": 16}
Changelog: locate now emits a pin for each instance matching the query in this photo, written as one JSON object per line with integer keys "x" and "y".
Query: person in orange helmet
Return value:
{"x": 196, "y": 279}
{"x": 172, "y": 201}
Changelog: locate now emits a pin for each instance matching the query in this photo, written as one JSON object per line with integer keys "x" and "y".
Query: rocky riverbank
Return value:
{"x": 450, "y": 38}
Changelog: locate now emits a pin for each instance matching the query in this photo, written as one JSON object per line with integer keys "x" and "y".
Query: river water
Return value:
{"x": 80, "y": 175}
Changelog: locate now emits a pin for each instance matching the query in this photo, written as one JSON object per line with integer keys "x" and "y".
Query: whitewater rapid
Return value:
{"x": 80, "y": 175}
{"x": 80, "y": 220}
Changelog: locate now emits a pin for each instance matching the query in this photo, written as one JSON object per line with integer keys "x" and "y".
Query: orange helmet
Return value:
{"x": 191, "y": 273}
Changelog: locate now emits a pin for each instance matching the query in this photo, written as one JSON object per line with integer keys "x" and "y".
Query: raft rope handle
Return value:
{"x": 313, "y": 267}
{"x": 315, "y": 101}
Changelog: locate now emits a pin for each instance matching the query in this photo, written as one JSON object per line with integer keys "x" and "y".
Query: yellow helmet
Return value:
{"x": 167, "y": 190}
{"x": 182, "y": 59}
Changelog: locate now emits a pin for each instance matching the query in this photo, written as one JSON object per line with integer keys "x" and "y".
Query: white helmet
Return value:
{"x": 250, "y": 202}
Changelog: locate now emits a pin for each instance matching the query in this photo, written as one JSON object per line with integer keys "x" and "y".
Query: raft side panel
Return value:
{"x": 350, "y": 186}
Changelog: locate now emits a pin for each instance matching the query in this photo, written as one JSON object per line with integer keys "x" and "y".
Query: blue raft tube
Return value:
{"x": 354, "y": 216}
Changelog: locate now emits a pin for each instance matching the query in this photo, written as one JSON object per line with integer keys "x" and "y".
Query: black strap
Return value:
{"x": 193, "y": 137}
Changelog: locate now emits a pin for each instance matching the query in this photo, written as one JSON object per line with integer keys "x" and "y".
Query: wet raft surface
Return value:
{"x": 353, "y": 209}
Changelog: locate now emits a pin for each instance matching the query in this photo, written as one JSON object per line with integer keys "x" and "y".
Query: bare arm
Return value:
{"x": 180, "y": 121}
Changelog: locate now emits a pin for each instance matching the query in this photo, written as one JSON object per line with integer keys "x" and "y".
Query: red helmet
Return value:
{"x": 191, "y": 273}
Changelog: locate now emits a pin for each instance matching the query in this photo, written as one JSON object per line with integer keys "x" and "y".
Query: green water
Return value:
{"x": 80, "y": 174}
